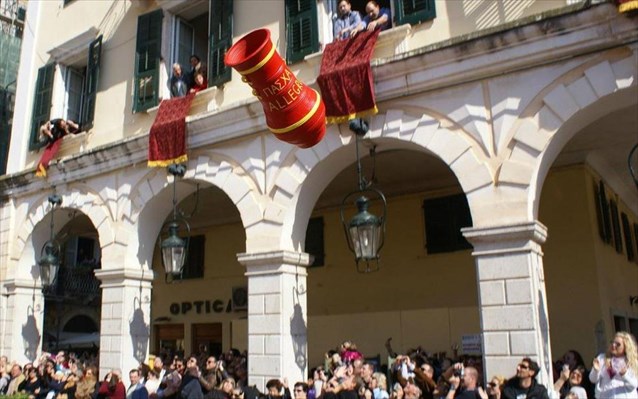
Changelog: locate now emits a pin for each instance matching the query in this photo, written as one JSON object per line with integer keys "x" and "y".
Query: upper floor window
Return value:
{"x": 302, "y": 29}
{"x": 200, "y": 27}
{"x": 414, "y": 11}
{"x": 444, "y": 218}
{"x": 67, "y": 89}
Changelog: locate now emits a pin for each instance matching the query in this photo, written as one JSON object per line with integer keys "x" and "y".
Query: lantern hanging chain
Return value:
{"x": 174, "y": 197}
{"x": 361, "y": 182}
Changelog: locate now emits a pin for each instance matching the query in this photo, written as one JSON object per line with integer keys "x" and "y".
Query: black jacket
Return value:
{"x": 535, "y": 391}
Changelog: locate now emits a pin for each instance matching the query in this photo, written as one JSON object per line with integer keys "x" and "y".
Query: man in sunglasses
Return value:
{"x": 524, "y": 385}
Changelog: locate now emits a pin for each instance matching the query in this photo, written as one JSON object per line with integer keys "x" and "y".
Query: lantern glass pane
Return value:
{"x": 173, "y": 259}
{"x": 365, "y": 241}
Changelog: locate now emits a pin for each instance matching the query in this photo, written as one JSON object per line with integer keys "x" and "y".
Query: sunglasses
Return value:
{"x": 523, "y": 366}
{"x": 492, "y": 384}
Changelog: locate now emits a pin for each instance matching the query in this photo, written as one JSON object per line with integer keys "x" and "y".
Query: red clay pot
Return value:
{"x": 294, "y": 112}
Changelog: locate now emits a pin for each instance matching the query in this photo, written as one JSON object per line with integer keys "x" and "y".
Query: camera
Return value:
{"x": 459, "y": 372}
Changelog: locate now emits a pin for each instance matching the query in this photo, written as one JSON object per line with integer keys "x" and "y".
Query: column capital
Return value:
{"x": 17, "y": 284}
{"x": 123, "y": 277}
{"x": 517, "y": 237}
{"x": 273, "y": 262}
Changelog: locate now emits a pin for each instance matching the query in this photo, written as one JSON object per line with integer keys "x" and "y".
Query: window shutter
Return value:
{"x": 221, "y": 38}
{"x": 314, "y": 244}
{"x": 301, "y": 25}
{"x": 414, "y": 11}
{"x": 444, "y": 218}
{"x": 41, "y": 103}
{"x": 147, "y": 60}
{"x": 90, "y": 88}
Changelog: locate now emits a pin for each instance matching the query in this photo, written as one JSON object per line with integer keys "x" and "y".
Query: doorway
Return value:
{"x": 207, "y": 338}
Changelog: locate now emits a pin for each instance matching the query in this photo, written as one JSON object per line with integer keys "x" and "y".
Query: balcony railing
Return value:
{"x": 77, "y": 284}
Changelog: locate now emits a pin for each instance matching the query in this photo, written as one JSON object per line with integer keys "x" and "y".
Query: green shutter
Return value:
{"x": 314, "y": 241}
{"x": 221, "y": 38}
{"x": 41, "y": 103}
{"x": 147, "y": 60}
{"x": 90, "y": 87}
{"x": 414, "y": 11}
{"x": 301, "y": 25}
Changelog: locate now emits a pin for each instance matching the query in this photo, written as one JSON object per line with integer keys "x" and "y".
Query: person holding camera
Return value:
{"x": 464, "y": 384}
{"x": 112, "y": 387}
{"x": 214, "y": 374}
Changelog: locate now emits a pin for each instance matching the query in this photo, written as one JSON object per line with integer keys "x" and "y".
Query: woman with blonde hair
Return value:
{"x": 614, "y": 372}
{"x": 494, "y": 388}
{"x": 379, "y": 386}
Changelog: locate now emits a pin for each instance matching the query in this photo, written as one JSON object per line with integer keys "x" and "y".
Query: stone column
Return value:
{"x": 24, "y": 320}
{"x": 277, "y": 316}
{"x": 125, "y": 319}
{"x": 512, "y": 298}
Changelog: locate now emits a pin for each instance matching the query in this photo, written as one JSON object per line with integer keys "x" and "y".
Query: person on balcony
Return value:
{"x": 348, "y": 23}
{"x": 55, "y": 129}
{"x": 377, "y": 17}
{"x": 199, "y": 84}
{"x": 179, "y": 82}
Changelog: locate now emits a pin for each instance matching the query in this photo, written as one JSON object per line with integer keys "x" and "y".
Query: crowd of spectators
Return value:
{"x": 345, "y": 374}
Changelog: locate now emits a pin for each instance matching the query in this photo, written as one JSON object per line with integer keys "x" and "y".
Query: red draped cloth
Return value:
{"x": 346, "y": 80}
{"x": 49, "y": 153}
{"x": 627, "y": 5}
{"x": 167, "y": 140}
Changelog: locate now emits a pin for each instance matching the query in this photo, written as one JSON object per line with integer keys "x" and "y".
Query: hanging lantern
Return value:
{"x": 174, "y": 248}
{"x": 365, "y": 232}
{"x": 49, "y": 262}
{"x": 294, "y": 112}
{"x": 173, "y": 251}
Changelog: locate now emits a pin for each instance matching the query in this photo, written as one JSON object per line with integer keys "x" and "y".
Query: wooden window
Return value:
{"x": 194, "y": 265}
{"x": 629, "y": 242}
{"x": 91, "y": 83}
{"x": 41, "y": 103}
{"x": 414, "y": 11}
{"x": 301, "y": 25}
{"x": 314, "y": 241}
{"x": 602, "y": 213}
{"x": 221, "y": 38}
{"x": 444, "y": 218}
{"x": 615, "y": 222}
{"x": 147, "y": 60}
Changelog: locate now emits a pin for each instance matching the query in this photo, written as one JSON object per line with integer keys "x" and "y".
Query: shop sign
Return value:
{"x": 471, "y": 344}
{"x": 201, "y": 307}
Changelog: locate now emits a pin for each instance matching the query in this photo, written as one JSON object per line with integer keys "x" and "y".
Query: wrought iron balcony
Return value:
{"x": 77, "y": 284}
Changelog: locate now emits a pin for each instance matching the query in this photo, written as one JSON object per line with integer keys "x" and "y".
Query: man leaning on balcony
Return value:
{"x": 348, "y": 23}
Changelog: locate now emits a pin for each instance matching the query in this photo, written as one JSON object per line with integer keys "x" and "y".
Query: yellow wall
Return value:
{"x": 585, "y": 278}
{"x": 429, "y": 300}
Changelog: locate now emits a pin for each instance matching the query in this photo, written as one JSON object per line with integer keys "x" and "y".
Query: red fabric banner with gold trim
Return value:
{"x": 627, "y": 5}
{"x": 167, "y": 140}
{"x": 346, "y": 80}
{"x": 49, "y": 153}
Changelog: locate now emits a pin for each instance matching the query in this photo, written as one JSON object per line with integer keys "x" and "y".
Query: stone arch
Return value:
{"x": 308, "y": 172}
{"x": 209, "y": 167}
{"x": 78, "y": 197}
{"x": 572, "y": 102}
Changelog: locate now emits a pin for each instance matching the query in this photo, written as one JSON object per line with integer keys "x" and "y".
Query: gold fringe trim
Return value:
{"x": 346, "y": 118}
{"x": 166, "y": 162}
{"x": 628, "y": 6}
{"x": 41, "y": 171}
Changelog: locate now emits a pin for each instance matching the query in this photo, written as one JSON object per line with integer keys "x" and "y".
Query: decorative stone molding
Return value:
{"x": 519, "y": 237}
